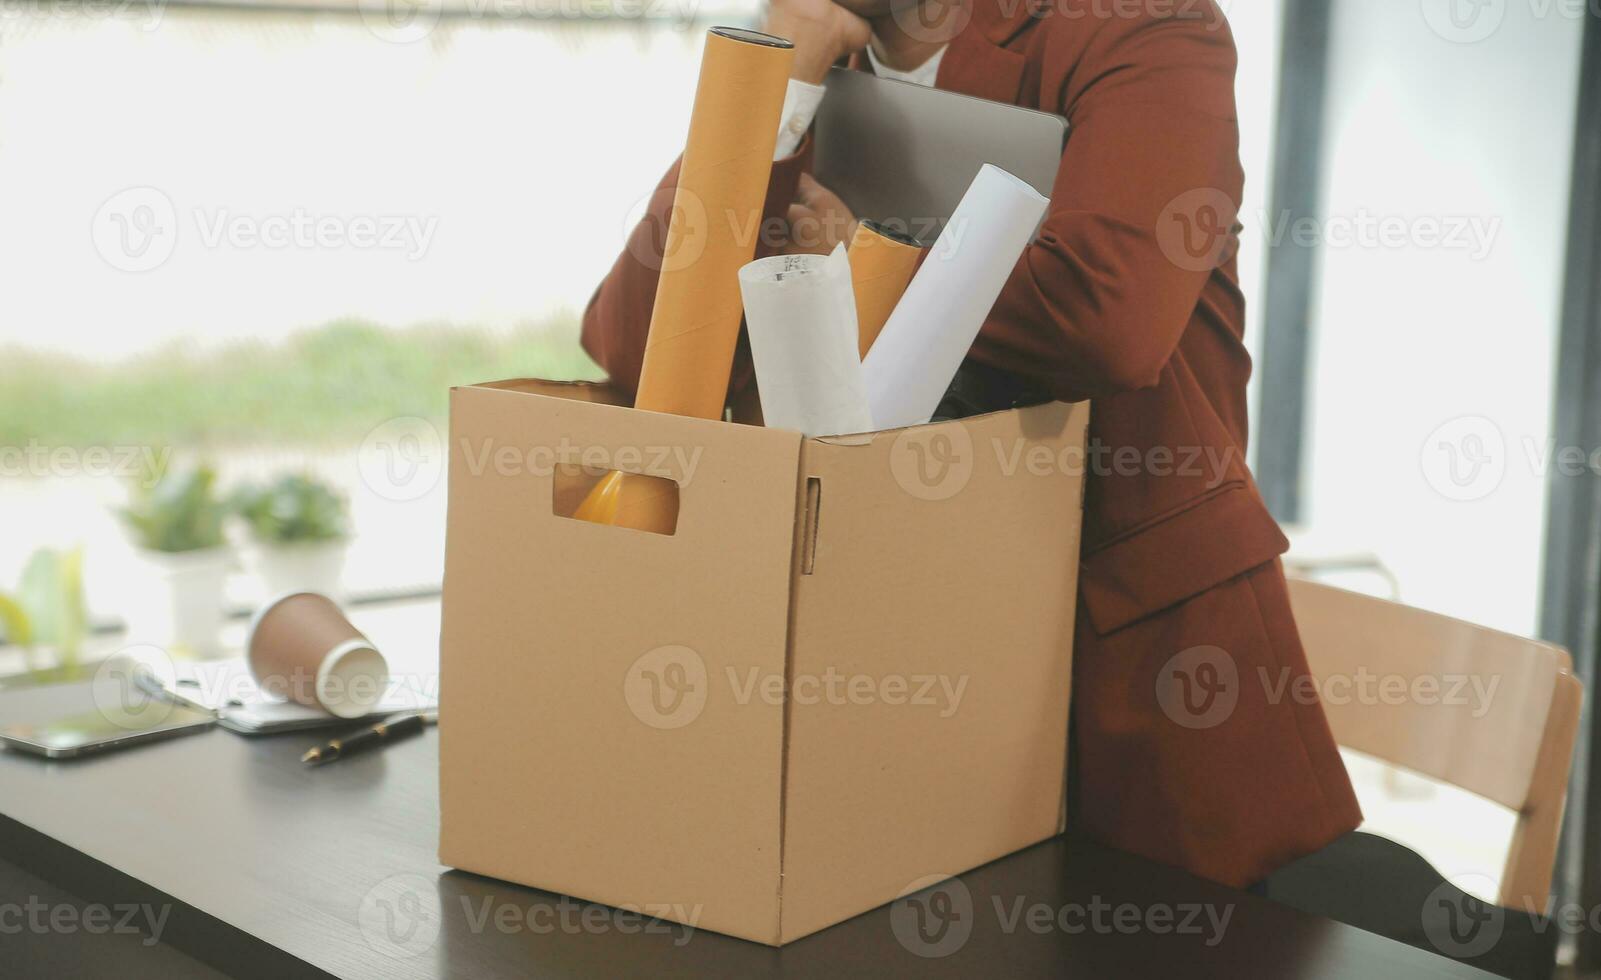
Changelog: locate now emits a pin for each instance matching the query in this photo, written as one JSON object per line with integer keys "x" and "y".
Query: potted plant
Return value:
{"x": 298, "y": 527}
{"x": 175, "y": 599}
{"x": 47, "y": 610}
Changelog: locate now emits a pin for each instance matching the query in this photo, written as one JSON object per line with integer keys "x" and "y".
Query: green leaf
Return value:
{"x": 14, "y": 622}
{"x": 294, "y": 508}
{"x": 176, "y": 511}
{"x": 51, "y": 593}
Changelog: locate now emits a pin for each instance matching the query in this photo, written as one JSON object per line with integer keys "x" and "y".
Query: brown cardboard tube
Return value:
{"x": 633, "y": 500}
{"x": 716, "y": 219}
{"x": 882, "y": 263}
{"x": 301, "y": 647}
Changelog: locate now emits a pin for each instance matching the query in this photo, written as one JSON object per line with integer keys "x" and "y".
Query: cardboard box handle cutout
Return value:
{"x": 597, "y": 500}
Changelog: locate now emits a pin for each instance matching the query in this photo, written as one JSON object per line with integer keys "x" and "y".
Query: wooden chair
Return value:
{"x": 1398, "y": 684}
{"x": 1488, "y": 711}
{"x": 1512, "y": 747}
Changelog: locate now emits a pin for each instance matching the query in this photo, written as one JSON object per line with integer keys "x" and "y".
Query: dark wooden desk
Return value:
{"x": 269, "y": 869}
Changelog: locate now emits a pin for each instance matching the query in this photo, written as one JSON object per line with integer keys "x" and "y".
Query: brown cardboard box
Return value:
{"x": 614, "y": 722}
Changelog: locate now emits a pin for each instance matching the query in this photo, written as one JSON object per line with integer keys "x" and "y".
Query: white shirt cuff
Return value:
{"x": 800, "y": 108}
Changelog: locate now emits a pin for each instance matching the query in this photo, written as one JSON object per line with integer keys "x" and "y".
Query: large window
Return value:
{"x": 271, "y": 239}
{"x": 257, "y": 237}
{"x": 1448, "y": 146}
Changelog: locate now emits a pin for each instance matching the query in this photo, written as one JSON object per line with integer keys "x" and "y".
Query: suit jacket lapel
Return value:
{"x": 977, "y": 63}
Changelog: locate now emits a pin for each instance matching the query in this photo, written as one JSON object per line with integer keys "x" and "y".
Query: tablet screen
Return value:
{"x": 86, "y": 730}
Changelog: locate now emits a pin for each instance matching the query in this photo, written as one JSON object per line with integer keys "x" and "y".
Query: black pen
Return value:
{"x": 388, "y": 730}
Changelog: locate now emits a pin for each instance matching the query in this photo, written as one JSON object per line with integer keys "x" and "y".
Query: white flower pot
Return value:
{"x": 316, "y": 566}
{"x": 175, "y": 600}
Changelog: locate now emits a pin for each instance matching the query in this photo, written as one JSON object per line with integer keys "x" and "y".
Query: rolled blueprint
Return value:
{"x": 712, "y": 232}
{"x": 716, "y": 217}
{"x": 917, "y": 354}
{"x": 882, "y": 263}
{"x": 801, "y": 316}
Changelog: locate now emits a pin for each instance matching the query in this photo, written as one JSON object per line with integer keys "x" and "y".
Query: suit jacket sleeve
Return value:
{"x": 1097, "y": 304}
{"x": 617, "y": 320}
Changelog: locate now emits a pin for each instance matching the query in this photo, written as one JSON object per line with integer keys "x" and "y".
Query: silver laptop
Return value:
{"x": 903, "y": 154}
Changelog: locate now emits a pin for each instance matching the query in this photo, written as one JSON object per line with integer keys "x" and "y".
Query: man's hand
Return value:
{"x": 822, "y": 30}
{"x": 817, "y": 221}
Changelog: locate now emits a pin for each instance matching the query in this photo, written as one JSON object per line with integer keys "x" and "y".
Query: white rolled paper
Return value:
{"x": 800, "y": 311}
{"x": 934, "y": 324}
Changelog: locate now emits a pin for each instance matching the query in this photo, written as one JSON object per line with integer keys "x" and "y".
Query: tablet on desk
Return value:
{"x": 67, "y": 736}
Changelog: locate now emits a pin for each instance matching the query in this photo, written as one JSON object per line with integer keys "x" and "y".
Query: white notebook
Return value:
{"x": 226, "y": 687}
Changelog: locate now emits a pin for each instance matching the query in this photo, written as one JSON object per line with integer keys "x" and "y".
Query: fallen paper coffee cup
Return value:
{"x": 302, "y": 648}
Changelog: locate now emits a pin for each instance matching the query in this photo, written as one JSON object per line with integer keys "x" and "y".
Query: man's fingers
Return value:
{"x": 814, "y": 195}
{"x": 806, "y": 189}
{"x": 819, "y": 198}
{"x": 808, "y": 232}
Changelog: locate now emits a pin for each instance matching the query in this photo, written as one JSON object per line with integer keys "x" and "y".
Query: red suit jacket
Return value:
{"x": 1195, "y": 741}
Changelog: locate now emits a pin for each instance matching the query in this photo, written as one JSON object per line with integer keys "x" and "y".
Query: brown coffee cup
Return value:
{"x": 302, "y": 648}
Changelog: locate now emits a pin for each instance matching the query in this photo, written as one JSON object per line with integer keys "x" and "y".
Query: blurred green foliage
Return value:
{"x": 48, "y": 607}
{"x": 175, "y": 511}
{"x": 294, "y": 508}
{"x": 325, "y": 386}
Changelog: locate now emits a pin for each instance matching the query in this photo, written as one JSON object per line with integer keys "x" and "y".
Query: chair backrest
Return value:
{"x": 1490, "y": 712}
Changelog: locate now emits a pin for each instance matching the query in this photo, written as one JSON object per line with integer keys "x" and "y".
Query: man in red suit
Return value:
{"x": 1194, "y": 740}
